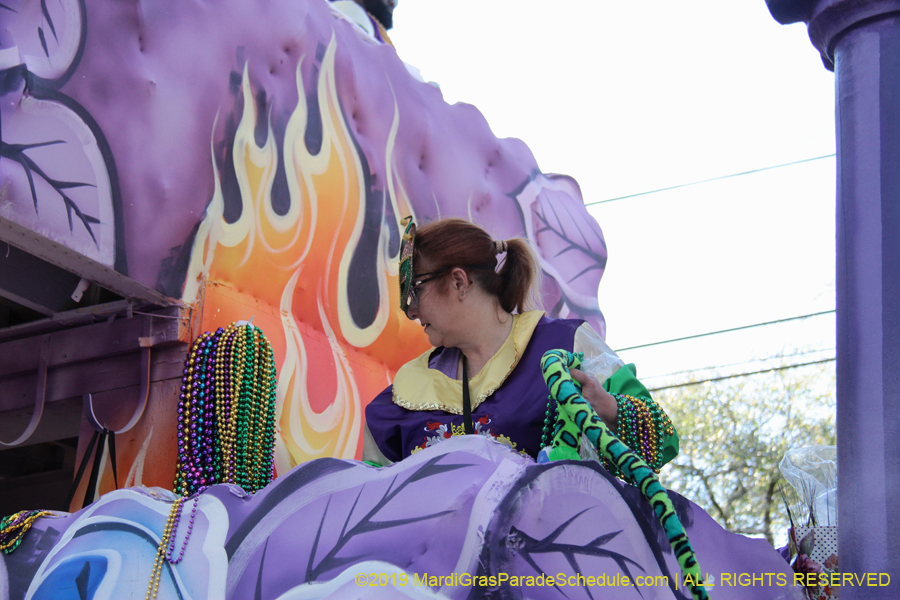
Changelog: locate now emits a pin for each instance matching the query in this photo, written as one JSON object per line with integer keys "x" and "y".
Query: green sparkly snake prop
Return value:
{"x": 576, "y": 417}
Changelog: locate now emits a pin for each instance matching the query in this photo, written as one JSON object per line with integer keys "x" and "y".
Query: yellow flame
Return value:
{"x": 291, "y": 272}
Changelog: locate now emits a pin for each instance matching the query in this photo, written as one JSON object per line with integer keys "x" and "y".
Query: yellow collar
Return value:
{"x": 416, "y": 387}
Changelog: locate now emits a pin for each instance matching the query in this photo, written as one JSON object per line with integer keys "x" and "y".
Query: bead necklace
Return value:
{"x": 153, "y": 587}
{"x": 14, "y": 527}
{"x": 177, "y": 509}
{"x": 642, "y": 425}
{"x": 226, "y": 411}
{"x": 549, "y": 417}
{"x": 226, "y": 426}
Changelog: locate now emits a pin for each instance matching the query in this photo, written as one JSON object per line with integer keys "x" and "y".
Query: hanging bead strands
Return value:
{"x": 173, "y": 539}
{"x": 14, "y": 527}
{"x": 226, "y": 411}
{"x": 169, "y": 540}
{"x": 159, "y": 563}
{"x": 549, "y": 419}
{"x": 642, "y": 425}
{"x": 226, "y": 426}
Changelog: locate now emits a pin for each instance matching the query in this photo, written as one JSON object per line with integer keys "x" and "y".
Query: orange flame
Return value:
{"x": 290, "y": 272}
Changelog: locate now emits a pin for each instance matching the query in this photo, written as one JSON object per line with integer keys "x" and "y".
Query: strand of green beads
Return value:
{"x": 237, "y": 408}
{"x": 273, "y": 410}
{"x": 250, "y": 413}
{"x": 253, "y": 412}
{"x": 257, "y": 414}
{"x": 549, "y": 417}
{"x": 243, "y": 420}
{"x": 266, "y": 417}
{"x": 270, "y": 387}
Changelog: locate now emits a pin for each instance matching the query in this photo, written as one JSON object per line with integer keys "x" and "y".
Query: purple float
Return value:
{"x": 187, "y": 165}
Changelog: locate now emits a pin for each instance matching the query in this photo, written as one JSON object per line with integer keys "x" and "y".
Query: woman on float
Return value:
{"x": 483, "y": 375}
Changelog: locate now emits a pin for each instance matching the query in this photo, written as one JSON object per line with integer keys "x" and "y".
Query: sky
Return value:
{"x": 632, "y": 97}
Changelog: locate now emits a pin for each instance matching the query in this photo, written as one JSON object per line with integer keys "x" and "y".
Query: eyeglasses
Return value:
{"x": 418, "y": 281}
{"x": 410, "y": 282}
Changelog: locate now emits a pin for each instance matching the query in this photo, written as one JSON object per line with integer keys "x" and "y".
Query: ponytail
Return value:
{"x": 520, "y": 278}
{"x": 452, "y": 242}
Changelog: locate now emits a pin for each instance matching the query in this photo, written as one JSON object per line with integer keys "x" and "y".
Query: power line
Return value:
{"x": 736, "y": 364}
{"x": 719, "y": 178}
{"x": 690, "y": 383}
{"x": 699, "y": 335}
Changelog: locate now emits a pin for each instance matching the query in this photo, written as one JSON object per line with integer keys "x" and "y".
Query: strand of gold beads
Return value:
{"x": 226, "y": 424}
{"x": 228, "y": 433}
{"x": 14, "y": 527}
{"x": 155, "y": 575}
{"x": 222, "y": 392}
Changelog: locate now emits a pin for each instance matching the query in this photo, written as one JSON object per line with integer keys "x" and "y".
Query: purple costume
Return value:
{"x": 515, "y": 411}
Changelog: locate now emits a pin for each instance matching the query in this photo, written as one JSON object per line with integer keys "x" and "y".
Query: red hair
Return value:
{"x": 449, "y": 243}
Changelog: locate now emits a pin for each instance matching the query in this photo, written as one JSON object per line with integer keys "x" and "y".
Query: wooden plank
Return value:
{"x": 58, "y": 421}
{"x": 91, "y": 377}
{"x": 65, "y": 258}
{"x": 26, "y": 302}
{"x": 71, "y": 318}
{"x": 35, "y": 283}
{"x": 87, "y": 343}
{"x": 19, "y": 357}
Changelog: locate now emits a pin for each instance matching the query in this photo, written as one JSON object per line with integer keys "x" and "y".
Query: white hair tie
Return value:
{"x": 499, "y": 246}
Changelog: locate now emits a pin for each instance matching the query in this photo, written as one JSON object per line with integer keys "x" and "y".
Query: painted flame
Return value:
{"x": 290, "y": 272}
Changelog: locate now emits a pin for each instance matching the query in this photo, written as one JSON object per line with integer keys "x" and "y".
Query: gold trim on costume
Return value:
{"x": 416, "y": 387}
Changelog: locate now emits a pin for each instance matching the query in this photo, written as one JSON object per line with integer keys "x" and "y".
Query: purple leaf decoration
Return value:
{"x": 570, "y": 244}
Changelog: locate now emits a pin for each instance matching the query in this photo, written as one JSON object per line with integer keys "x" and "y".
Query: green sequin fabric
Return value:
{"x": 406, "y": 264}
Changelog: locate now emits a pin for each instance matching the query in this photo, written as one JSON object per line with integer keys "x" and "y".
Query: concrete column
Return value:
{"x": 860, "y": 40}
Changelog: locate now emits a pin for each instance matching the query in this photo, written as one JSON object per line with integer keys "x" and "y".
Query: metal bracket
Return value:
{"x": 39, "y": 396}
{"x": 146, "y": 342}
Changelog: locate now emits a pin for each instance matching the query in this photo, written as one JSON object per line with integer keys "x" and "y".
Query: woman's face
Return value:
{"x": 436, "y": 307}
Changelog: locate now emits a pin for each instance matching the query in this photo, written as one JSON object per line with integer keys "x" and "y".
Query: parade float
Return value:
{"x": 195, "y": 194}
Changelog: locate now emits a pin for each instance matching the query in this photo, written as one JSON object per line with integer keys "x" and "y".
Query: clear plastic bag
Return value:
{"x": 812, "y": 472}
{"x": 602, "y": 366}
